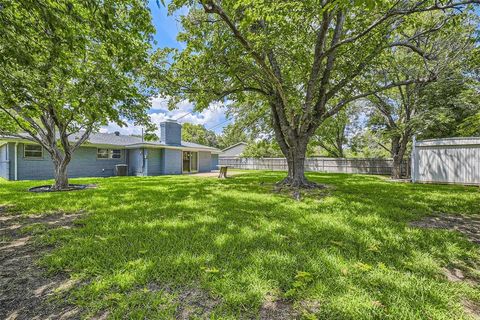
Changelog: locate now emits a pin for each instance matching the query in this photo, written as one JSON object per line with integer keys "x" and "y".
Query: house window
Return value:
{"x": 116, "y": 153}
{"x": 33, "y": 151}
{"x": 109, "y": 153}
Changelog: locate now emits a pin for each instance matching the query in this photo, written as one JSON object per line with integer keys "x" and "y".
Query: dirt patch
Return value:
{"x": 277, "y": 309}
{"x": 471, "y": 309}
{"x": 195, "y": 304}
{"x": 25, "y": 291}
{"x": 317, "y": 192}
{"x": 468, "y": 225}
{"x": 214, "y": 174}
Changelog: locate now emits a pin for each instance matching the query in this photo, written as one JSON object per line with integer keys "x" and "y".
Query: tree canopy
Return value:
{"x": 68, "y": 67}
{"x": 298, "y": 62}
{"x": 197, "y": 133}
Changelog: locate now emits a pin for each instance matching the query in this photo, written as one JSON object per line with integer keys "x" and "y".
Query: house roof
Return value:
{"x": 112, "y": 139}
{"x": 234, "y": 151}
{"x": 234, "y": 145}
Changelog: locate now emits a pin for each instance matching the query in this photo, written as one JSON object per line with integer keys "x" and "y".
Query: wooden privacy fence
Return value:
{"x": 334, "y": 165}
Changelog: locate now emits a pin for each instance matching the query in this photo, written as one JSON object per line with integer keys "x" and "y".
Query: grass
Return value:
{"x": 350, "y": 253}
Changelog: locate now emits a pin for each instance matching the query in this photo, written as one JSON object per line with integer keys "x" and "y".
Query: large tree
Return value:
{"x": 430, "y": 108}
{"x": 69, "y": 66}
{"x": 197, "y": 133}
{"x": 302, "y": 60}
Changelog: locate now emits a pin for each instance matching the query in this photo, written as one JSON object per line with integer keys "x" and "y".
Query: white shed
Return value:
{"x": 449, "y": 160}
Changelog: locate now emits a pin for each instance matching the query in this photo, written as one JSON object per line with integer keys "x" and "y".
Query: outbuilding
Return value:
{"x": 448, "y": 160}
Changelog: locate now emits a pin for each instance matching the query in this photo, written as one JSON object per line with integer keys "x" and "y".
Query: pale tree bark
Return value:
{"x": 60, "y": 173}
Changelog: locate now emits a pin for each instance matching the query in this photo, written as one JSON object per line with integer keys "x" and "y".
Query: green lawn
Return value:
{"x": 348, "y": 254}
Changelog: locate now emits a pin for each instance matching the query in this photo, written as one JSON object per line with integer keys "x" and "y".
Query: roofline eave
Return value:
{"x": 128, "y": 146}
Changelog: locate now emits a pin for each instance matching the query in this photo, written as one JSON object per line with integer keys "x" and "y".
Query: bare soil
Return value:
{"x": 319, "y": 191}
{"x": 278, "y": 310}
{"x": 25, "y": 290}
{"x": 195, "y": 304}
{"x": 468, "y": 225}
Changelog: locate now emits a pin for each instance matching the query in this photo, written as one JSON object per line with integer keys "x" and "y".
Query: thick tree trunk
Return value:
{"x": 296, "y": 167}
{"x": 399, "y": 147}
{"x": 397, "y": 167}
{"x": 60, "y": 174}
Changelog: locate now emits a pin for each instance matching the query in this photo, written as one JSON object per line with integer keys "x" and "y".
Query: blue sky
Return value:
{"x": 167, "y": 29}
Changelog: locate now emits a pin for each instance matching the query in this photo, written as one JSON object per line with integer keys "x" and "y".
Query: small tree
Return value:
{"x": 302, "y": 61}
{"x": 67, "y": 67}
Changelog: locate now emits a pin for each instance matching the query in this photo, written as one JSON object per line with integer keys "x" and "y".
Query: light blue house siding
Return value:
{"x": 4, "y": 162}
{"x": 172, "y": 161}
{"x": 11, "y": 157}
{"x": 214, "y": 161}
{"x": 204, "y": 161}
{"x": 158, "y": 161}
{"x": 154, "y": 162}
{"x": 135, "y": 162}
{"x": 84, "y": 164}
{"x": 163, "y": 156}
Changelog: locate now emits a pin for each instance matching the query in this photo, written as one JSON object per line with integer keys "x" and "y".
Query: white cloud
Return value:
{"x": 159, "y": 112}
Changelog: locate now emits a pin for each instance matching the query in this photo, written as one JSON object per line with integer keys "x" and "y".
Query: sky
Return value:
{"x": 213, "y": 118}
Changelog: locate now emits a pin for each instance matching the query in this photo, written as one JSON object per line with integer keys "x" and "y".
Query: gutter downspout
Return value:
{"x": 15, "y": 168}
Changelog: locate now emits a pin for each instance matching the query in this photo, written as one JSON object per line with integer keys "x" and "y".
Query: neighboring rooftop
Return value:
{"x": 235, "y": 150}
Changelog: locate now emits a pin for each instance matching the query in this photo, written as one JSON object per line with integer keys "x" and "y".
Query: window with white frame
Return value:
{"x": 116, "y": 153}
{"x": 109, "y": 153}
{"x": 33, "y": 151}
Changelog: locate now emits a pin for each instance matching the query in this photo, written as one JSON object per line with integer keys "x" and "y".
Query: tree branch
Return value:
{"x": 342, "y": 103}
{"x": 392, "y": 12}
{"x": 210, "y": 7}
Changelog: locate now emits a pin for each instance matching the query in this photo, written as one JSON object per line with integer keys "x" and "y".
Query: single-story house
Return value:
{"x": 234, "y": 151}
{"x": 21, "y": 159}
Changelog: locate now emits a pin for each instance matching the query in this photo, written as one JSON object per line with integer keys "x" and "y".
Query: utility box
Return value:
{"x": 121, "y": 170}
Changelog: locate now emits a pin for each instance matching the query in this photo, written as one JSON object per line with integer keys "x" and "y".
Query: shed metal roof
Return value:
{"x": 458, "y": 141}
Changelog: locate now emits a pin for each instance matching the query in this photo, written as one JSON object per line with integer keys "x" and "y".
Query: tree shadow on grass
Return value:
{"x": 236, "y": 240}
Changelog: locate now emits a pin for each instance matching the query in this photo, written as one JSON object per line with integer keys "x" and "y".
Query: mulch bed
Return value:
{"x": 25, "y": 291}
{"x": 71, "y": 187}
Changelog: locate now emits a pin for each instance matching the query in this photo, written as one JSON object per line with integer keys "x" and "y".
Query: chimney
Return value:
{"x": 171, "y": 132}
{"x": 117, "y": 133}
